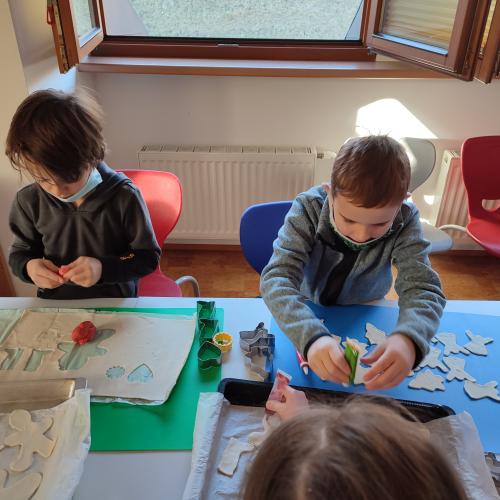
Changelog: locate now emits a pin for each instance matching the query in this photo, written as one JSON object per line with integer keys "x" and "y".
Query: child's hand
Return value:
{"x": 326, "y": 358}
{"x": 84, "y": 271}
{"x": 295, "y": 403}
{"x": 44, "y": 273}
{"x": 391, "y": 362}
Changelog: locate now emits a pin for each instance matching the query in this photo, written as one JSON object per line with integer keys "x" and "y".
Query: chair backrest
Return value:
{"x": 422, "y": 154}
{"x": 162, "y": 192}
{"x": 480, "y": 160}
{"x": 259, "y": 226}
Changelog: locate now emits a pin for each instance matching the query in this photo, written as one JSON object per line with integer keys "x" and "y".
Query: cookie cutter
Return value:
{"x": 223, "y": 340}
{"x": 209, "y": 355}
{"x": 257, "y": 343}
{"x": 205, "y": 309}
{"x": 206, "y": 329}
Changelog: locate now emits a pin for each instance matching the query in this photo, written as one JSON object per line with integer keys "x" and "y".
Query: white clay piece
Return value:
{"x": 374, "y": 335}
{"x": 19, "y": 489}
{"x": 428, "y": 381}
{"x": 449, "y": 340}
{"x": 457, "y": 369}
{"x": 477, "y": 344}
{"x": 231, "y": 456}
{"x": 29, "y": 436}
{"x": 432, "y": 361}
{"x": 479, "y": 391}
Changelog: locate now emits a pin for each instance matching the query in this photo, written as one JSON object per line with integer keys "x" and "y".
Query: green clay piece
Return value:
{"x": 115, "y": 372}
{"x": 206, "y": 329}
{"x": 35, "y": 360}
{"x": 209, "y": 355}
{"x": 205, "y": 309}
{"x": 12, "y": 358}
{"x": 77, "y": 355}
{"x": 351, "y": 356}
{"x": 141, "y": 374}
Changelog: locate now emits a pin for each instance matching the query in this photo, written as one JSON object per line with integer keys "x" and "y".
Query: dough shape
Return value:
{"x": 269, "y": 422}
{"x": 478, "y": 391}
{"x": 428, "y": 381}
{"x": 449, "y": 340}
{"x": 457, "y": 369}
{"x": 432, "y": 361}
{"x": 231, "y": 456}
{"x": 374, "y": 335}
{"x": 29, "y": 436}
{"x": 22, "y": 489}
{"x": 477, "y": 344}
{"x": 76, "y": 355}
{"x": 141, "y": 374}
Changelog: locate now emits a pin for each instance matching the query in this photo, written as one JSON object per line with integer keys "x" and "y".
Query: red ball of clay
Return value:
{"x": 83, "y": 333}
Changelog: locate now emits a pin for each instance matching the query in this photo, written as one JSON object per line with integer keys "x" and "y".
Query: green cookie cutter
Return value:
{"x": 209, "y": 355}
{"x": 351, "y": 355}
{"x": 205, "y": 309}
{"x": 206, "y": 329}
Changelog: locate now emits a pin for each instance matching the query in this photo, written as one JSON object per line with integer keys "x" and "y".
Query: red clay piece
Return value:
{"x": 83, "y": 333}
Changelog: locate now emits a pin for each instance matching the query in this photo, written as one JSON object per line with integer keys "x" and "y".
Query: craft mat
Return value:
{"x": 157, "y": 344}
{"x": 351, "y": 320}
{"x": 122, "y": 427}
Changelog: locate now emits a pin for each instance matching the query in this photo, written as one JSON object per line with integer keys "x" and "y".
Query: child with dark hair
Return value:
{"x": 337, "y": 246}
{"x": 81, "y": 230}
{"x": 361, "y": 450}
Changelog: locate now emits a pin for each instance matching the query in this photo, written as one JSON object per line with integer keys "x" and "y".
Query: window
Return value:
{"x": 456, "y": 37}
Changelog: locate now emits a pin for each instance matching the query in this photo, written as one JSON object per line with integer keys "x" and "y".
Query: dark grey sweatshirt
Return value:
{"x": 112, "y": 224}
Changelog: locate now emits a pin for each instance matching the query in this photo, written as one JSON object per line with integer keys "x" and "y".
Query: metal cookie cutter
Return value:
{"x": 205, "y": 309}
{"x": 258, "y": 342}
{"x": 206, "y": 329}
{"x": 209, "y": 355}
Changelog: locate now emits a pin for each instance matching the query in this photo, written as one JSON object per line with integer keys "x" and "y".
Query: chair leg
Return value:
{"x": 453, "y": 226}
{"x": 193, "y": 281}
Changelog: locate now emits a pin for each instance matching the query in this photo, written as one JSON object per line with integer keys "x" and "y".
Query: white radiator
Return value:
{"x": 453, "y": 208}
{"x": 220, "y": 182}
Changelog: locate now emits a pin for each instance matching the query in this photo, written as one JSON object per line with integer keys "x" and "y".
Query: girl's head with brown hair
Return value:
{"x": 56, "y": 135}
{"x": 361, "y": 450}
{"x": 371, "y": 171}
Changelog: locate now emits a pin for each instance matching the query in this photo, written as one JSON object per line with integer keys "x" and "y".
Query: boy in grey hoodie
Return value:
{"x": 81, "y": 230}
{"x": 337, "y": 246}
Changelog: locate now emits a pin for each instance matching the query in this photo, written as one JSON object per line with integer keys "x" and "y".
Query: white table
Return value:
{"x": 162, "y": 475}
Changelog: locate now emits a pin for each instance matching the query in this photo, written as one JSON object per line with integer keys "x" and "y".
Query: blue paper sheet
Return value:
{"x": 350, "y": 321}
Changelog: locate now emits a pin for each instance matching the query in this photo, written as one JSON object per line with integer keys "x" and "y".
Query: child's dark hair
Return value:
{"x": 59, "y": 132}
{"x": 371, "y": 171}
{"x": 357, "y": 451}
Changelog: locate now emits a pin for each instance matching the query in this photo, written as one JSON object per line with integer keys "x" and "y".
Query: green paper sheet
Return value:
{"x": 124, "y": 427}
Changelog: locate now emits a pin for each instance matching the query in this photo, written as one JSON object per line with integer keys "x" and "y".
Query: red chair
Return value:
{"x": 162, "y": 192}
{"x": 481, "y": 175}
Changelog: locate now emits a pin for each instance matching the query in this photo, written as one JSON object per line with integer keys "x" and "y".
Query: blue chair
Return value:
{"x": 259, "y": 226}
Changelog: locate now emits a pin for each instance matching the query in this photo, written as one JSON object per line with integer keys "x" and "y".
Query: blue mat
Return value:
{"x": 350, "y": 321}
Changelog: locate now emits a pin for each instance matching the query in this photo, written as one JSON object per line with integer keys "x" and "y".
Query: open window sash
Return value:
{"x": 489, "y": 66}
{"x": 76, "y": 28}
{"x": 441, "y": 35}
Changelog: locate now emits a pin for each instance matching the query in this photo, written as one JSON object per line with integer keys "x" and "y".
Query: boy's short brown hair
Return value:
{"x": 62, "y": 133}
{"x": 371, "y": 171}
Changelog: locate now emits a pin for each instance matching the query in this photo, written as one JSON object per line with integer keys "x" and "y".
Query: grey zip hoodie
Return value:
{"x": 303, "y": 266}
{"x": 112, "y": 224}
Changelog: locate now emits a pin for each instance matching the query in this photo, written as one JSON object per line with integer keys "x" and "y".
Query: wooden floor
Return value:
{"x": 225, "y": 273}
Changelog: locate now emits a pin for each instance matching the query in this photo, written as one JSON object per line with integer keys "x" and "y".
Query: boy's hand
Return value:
{"x": 294, "y": 404}
{"x": 391, "y": 361}
{"x": 326, "y": 358}
{"x": 44, "y": 273}
{"x": 84, "y": 271}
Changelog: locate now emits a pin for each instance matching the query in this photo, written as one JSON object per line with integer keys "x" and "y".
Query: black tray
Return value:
{"x": 249, "y": 393}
